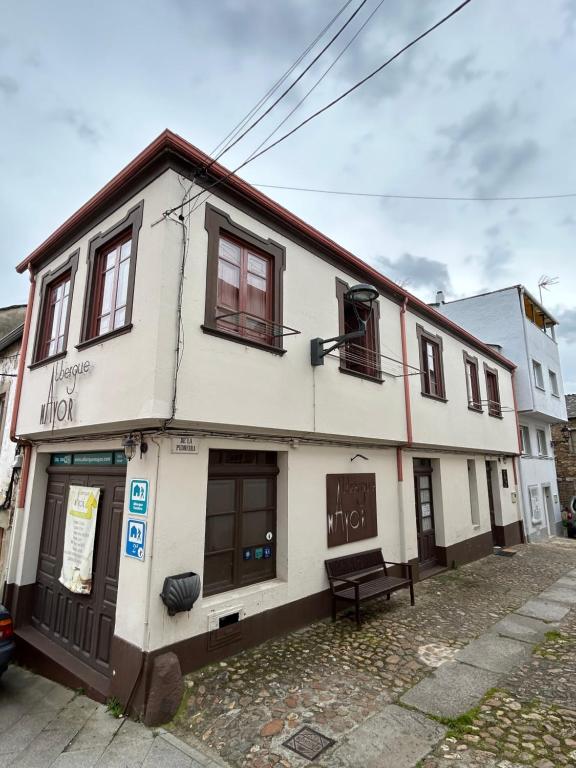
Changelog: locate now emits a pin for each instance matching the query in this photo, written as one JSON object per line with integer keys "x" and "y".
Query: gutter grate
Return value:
{"x": 308, "y": 743}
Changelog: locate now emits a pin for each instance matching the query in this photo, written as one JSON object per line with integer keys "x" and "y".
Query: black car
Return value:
{"x": 6, "y": 639}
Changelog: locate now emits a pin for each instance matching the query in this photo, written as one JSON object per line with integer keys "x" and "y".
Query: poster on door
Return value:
{"x": 79, "y": 533}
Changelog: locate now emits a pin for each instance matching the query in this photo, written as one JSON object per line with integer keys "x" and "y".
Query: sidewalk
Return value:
{"x": 44, "y": 725}
{"x": 471, "y": 674}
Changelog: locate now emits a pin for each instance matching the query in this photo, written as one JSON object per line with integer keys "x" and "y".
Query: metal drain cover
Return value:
{"x": 308, "y": 743}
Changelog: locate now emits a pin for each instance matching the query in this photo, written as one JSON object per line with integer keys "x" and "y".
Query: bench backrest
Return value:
{"x": 340, "y": 567}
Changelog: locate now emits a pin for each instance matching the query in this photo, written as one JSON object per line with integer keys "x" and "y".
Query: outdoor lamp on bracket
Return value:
{"x": 361, "y": 295}
{"x": 130, "y": 442}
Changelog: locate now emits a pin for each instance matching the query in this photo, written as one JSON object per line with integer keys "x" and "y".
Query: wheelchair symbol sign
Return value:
{"x": 135, "y": 539}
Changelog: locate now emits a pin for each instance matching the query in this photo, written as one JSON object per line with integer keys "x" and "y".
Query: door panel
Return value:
{"x": 83, "y": 624}
{"x": 427, "y": 554}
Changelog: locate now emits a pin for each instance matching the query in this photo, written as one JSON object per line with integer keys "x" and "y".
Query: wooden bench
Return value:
{"x": 364, "y": 575}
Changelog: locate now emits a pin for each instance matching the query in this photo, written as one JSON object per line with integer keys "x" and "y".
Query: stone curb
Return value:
{"x": 203, "y": 760}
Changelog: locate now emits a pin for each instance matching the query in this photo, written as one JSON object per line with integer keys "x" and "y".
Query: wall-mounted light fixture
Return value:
{"x": 131, "y": 442}
{"x": 360, "y": 295}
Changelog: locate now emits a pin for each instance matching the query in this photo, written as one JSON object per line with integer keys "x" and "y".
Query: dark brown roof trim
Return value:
{"x": 146, "y": 164}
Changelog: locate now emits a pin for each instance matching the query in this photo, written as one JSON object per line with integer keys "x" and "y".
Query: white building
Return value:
{"x": 252, "y": 465}
{"x": 519, "y": 325}
{"x": 11, "y": 328}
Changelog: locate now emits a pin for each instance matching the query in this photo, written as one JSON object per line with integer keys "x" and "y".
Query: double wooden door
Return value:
{"x": 82, "y": 624}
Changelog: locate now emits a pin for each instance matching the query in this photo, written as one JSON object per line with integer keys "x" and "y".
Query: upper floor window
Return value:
{"x": 554, "y": 383}
{"x": 525, "y": 440}
{"x": 542, "y": 444}
{"x": 2, "y": 411}
{"x": 432, "y": 372}
{"x": 472, "y": 382}
{"x": 535, "y": 314}
{"x": 493, "y": 391}
{"x": 359, "y": 356}
{"x": 538, "y": 374}
{"x": 54, "y": 312}
{"x": 110, "y": 282}
{"x": 243, "y": 284}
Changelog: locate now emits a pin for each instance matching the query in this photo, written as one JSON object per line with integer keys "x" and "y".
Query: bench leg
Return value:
{"x": 412, "y": 601}
{"x": 357, "y": 613}
{"x": 388, "y": 596}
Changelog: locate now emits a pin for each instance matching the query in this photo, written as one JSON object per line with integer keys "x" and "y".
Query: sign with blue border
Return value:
{"x": 138, "y": 499}
{"x": 135, "y": 539}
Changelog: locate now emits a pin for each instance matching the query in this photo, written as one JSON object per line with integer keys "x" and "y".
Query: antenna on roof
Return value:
{"x": 544, "y": 282}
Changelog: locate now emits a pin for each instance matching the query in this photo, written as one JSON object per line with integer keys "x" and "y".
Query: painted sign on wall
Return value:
{"x": 81, "y": 515}
{"x": 351, "y": 507}
{"x": 59, "y": 406}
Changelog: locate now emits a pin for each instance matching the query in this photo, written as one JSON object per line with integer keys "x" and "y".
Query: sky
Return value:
{"x": 483, "y": 107}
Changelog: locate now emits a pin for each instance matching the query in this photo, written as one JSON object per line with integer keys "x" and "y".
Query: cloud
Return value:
{"x": 8, "y": 86}
{"x": 80, "y": 123}
{"x": 567, "y": 325}
{"x": 461, "y": 70}
{"x": 417, "y": 272}
{"x": 485, "y": 143}
{"x": 498, "y": 255}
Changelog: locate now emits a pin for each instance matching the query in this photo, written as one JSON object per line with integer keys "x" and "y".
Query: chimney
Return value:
{"x": 439, "y": 297}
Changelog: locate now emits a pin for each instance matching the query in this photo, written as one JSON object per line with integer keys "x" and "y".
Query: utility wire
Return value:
{"x": 238, "y": 127}
{"x": 320, "y": 79}
{"x": 291, "y": 86}
{"x": 325, "y": 108}
{"x": 414, "y": 197}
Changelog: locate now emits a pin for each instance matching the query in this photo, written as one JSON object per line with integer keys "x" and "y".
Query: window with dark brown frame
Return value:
{"x": 240, "y": 541}
{"x": 492, "y": 391}
{"x": 472, "y": 382}
{"x": 360, "y": 357}
{"x": 110, "y": 282}
{"x": 2, "y": 412}
{"x": 431, "y": 364}
{"x": 56, "y": 291}
{"x": 243, "y": 284}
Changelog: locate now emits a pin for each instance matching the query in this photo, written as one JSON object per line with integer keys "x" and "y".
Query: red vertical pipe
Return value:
{"x": 408, "y": 407}
{"x": 18, "y": 394}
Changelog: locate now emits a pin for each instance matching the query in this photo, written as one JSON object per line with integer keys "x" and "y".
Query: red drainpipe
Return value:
{"x": 18, "y": 394}
{"x": 408, "y": 407}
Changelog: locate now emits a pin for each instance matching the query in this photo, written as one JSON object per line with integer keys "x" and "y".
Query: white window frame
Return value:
{"x": 535, "y": 500}
{"x": 538, "y": 375}
{"x": 553, "y": 383}
{"x": 542, "y": 443}
{"x": 526, "y": 441}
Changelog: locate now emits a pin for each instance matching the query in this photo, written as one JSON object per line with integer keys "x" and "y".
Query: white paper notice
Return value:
{"x": 79, "y": 539}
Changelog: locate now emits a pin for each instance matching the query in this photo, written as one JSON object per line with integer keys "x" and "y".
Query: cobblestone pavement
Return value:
{"x": 337, "y": 679}
{"x": 44, "y": 725}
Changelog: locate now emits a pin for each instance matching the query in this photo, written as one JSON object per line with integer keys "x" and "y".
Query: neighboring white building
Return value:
{"x": 253, "y": 465}
{"x": 525, "y": 332}
{"x": 11, "y": 326}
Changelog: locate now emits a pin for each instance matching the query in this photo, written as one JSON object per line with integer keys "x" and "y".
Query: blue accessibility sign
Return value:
{"x": 138, "y": 501}
{"x": 135, "y": 539}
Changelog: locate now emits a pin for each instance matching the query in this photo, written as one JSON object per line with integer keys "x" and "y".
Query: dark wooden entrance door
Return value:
{"x": 82, "y": 624}
{"x": 427, "y": 553}
{"x": 491, "y": 499}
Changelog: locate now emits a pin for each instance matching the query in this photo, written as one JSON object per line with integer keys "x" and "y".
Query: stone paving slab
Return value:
{"x": 495, "y": 653}
{"x": 546, "y": 610}
{"x": 522, "y": 628}
{"x": 451, "y": 690}
{"x": 395, "y": 737}
{"x": 560, "y": 593}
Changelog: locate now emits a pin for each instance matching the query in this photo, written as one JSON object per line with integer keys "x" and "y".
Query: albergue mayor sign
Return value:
{"x": 60, "y": 409}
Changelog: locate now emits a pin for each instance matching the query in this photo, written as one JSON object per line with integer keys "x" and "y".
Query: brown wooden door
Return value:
{"x": 491, "y": 499}
{"x": 427, "y": 554}
{"x": 82, "y": 624}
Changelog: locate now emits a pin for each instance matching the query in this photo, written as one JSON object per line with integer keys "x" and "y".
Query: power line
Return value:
{"x": 238, "y": 127}
{"x": 414, "y": 197}
{"x": 325, "y": 108}
{"x": 291, "y": 86}
{"x": 320, "y": 79}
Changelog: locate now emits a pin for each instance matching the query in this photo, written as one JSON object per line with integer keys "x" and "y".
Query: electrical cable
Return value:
{"x": 238, "y": 127}
{"x": 347, "y": 193}
{"x": 320, "y": 79}
{"x": 326, "y": 107}
{"x": 290, "y": 87}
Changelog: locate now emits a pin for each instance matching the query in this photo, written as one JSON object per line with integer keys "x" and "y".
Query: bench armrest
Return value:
{"x": 408, "y": 567}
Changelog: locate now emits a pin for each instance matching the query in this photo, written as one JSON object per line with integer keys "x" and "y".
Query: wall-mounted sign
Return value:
{"x": 59, "y": 407}
{"x": 135, "y": 539}
{"x": 184, "y": 445}
{"x": 138, "y": 501}
{"x": 351, "y": 507}
{"x": 91, "y": 458}
{"x": 81, "y": 515}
